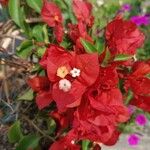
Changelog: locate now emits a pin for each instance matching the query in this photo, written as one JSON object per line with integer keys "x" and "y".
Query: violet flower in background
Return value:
{"x": 133, "y": 140}
{"x": 126, "y": 7}
{"x": 141, "y": 120}
{"x": 141, "y": 20}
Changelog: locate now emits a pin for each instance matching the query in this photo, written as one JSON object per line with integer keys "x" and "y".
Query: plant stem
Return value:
{"x": 37, "y": 128}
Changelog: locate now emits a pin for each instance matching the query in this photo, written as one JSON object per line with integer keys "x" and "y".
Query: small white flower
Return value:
{"x": 72, "y": 142}
{"x": 64, "y": 85}
{"x": 75, "y": 72}
{"x": 100, "y": 2}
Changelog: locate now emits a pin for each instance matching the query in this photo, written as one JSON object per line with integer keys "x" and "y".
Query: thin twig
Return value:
{"x": 11, "y": 36}
{"x": 33, "y": 20}
{"x": 7, "y": 104}
{"x": 37, "y": 128}
{"x": 5, "y": 84}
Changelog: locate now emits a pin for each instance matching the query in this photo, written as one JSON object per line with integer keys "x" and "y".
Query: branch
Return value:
{"x": 37, "y": 128}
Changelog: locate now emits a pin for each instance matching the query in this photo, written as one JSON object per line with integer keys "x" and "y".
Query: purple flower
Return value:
{"x": 126, "y": 7}
{"x": 141, "y": 20}
{"x": 133, "y": 140}
{"x": 141, "y": 120}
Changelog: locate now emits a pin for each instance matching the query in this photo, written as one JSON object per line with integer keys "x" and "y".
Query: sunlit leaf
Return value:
{"x": 28, "y": 95}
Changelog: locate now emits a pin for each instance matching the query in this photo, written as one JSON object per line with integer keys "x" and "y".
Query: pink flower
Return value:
{"x": 141, "y": 20}
{"x": 133, "y": 139}
{"x": 141, "y": 120}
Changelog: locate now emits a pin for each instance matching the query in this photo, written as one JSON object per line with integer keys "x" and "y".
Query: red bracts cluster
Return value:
{"x": 87, "y": 94}
{"x": 4, "y": 2}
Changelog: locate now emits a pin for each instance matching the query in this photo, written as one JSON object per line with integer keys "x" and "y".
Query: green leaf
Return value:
{"x": 35, "y": 4}
{"x": 70, "y": 11}
{"x": 51, "y": 125}
{"x": 41, "y": 51}
{"x": 129, "y": 97}
{"x": 28, "y": 95}
{"x": 15, "y": 11}
{"x": 147, "y": 115}
{"x": 122, "y": 57}
{"x": 99, "y": 45}
{"x": 61, "y": 4}
{"x": 17, "y": 14}
{"x": 107, "y": 58}
{"x": 45, "y": 32}
{"x": 14, "y": 133}
{"x": 38, "y": 33}
{"x": 90, "y": 48}
{"x": 28, "y": 142}
{"x": 85, "y": 144}
{"x": 25, "y": 49}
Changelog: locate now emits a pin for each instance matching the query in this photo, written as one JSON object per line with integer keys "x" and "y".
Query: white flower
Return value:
{"x": 75, "y": 72}
{"x": 72, "y": 142}
{"x": 100, "y": 2}
{"x": 64, "y": 85}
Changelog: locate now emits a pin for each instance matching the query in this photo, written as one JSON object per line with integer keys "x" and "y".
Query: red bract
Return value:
{"x": 4, "y": 2}
{"x": 41, "y": 85}
{"x": 137, "y": 80}
{"x": 51, "y": 14}
{"x": 140, "y": 85}
{"x": 123, "y": 37}
{"x": 96, "y": 147}
{"x": 64, "y": 144}
{"x": 63, "y": 120}
{"x": 76, "y": 32}
{"x": 83, "y": 10}
{"x": 101, "y": 110}
{"x": 71, "y": 73}
{"x": 93, "y": 124}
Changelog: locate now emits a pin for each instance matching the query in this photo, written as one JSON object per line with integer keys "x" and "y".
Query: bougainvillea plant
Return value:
{"x": 90, "y": 87}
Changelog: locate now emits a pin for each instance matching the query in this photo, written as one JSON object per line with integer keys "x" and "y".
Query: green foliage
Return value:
{"x": 27, "y": 96}
{"x": 15, "y": 12}
{"x": 23, "y": 142}
{"x": 100, "y": 45}
{"x": 85, "y": 144}
{"x": 25, "y": 49}
{"x": 122, "y": 57}
{"x": 28, "y": 142}
{"x": 14, "y": 133}
{"x": 90, "y": 48}
{"x": 35, "y": 4}
{"x": 38, "y": 33}
{"x": 51, "y": 125}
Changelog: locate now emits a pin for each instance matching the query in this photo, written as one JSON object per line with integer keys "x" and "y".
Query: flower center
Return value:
{"x": 56, "y": 18}
{"x": 62, "y": 72}
{"x": 75, "y": 72}
{"x": 64, "y": 85}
